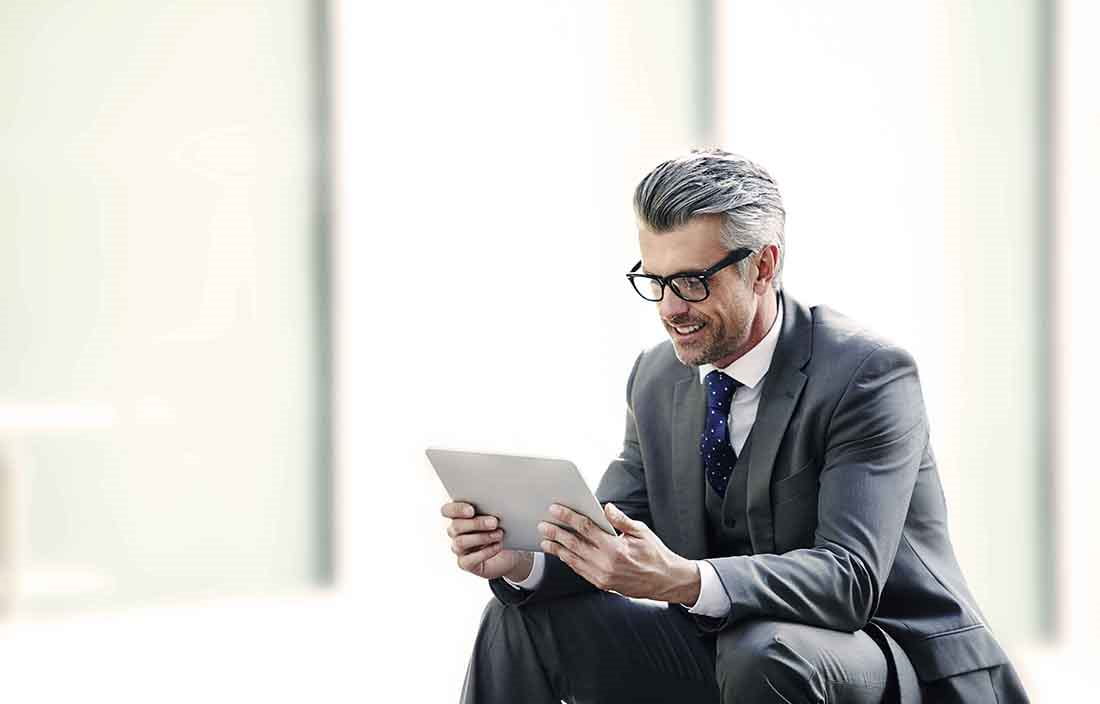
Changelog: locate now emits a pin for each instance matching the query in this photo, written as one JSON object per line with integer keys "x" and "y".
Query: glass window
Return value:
{"x": 163, "y": 366}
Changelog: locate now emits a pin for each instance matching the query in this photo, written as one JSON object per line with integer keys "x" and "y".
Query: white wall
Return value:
{"x": 156, "y": 288}
{"x": 489, "y": 152}
{"x": 1065, "y": 667}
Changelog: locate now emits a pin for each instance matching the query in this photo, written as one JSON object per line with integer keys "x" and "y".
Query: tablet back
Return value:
{"x": 516, "y": 489}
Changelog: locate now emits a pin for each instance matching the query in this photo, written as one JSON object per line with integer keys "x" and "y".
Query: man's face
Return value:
{"x": 726, "y": 314}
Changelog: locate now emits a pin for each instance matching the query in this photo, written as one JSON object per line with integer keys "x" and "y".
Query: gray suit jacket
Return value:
{"x": 845, "y": 509}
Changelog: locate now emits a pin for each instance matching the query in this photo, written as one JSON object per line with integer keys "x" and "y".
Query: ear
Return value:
{"x": 766, "y": 263}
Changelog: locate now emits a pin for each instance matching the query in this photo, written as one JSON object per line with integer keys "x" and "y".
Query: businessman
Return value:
{"x": 783, "y": 532}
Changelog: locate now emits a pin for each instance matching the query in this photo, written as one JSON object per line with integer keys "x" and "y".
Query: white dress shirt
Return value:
{"x": 749, "y": 369}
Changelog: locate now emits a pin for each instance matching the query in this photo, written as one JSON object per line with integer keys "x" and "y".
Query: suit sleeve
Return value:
{"x": 873, "y": 447}
{"x": 624, "y": 484}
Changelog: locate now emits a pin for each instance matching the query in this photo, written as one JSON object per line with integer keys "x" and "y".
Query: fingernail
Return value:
{"x": 545, "y": 545}
{"x": 490, "y": 522}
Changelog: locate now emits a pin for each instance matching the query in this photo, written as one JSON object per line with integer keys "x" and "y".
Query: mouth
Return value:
{"x": 685, "y": 332}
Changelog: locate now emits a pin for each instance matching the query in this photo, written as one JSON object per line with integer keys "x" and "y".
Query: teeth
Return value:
{"x": 688, "y": 331}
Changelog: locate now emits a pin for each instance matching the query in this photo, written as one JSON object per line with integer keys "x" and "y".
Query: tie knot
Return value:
{"x": 720, "y": 388}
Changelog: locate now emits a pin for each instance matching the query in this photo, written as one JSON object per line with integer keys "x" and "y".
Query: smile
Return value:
{"x": 688, "y": 330}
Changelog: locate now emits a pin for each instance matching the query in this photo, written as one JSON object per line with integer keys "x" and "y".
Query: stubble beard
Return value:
{"x": 716, "y": 345}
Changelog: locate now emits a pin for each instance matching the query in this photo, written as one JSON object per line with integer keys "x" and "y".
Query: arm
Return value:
{"x": 874, "y": 443}
{"x": 624, "y": 481}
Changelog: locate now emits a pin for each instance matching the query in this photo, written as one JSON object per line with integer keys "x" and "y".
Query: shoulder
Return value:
{"x": 863, "y": 384}
{"x": 660, "y": 362}
{"x": 658, "y": 367}
{"x": 856, "y": 373}
{"x": 841, "y": 345}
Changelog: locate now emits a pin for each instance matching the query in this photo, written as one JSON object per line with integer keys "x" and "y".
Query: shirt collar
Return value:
{"x": 750, "y": 368}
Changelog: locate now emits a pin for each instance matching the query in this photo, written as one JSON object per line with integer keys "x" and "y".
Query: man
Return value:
{"x": 776, "y": 488}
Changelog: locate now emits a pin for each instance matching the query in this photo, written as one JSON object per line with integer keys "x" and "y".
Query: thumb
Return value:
{"x": 620, "y": 520}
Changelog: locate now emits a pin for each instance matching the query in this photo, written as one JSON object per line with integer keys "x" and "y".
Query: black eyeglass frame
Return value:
{"x": 668, "y": 281}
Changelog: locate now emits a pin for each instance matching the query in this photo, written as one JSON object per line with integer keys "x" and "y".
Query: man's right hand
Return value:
{"x": 478, "y": 543}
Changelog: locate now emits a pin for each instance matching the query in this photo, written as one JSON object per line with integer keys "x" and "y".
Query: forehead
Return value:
{"x": 693, "y": 246}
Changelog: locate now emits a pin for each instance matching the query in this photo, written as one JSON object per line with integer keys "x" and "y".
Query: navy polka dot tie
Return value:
{"x": 715, "y": 448}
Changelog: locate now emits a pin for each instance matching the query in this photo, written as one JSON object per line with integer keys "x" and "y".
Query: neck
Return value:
{"x": 767, "y": 307}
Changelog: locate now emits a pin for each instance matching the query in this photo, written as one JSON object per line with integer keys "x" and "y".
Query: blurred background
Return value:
{"x": 255, "y": 256}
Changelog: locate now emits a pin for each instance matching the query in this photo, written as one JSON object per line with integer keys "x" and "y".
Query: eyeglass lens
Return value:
{"x": 689, "y": 288}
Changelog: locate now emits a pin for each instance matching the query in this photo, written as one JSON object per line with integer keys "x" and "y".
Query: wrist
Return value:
{"x": 525, "y": 562}
{"x": 686, "y": 583}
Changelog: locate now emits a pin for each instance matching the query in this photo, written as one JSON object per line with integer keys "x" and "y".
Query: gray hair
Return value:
{"x": 716, "y": 182}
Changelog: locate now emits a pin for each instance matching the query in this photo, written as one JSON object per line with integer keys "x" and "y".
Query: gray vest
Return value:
{"x": 727, "y": 519}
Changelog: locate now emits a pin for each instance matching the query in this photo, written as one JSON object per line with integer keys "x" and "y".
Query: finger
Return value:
{"x": 467, "y": 551}
{"x": 472, "y": 541}
{"x": 457, "y": 509}
{"x": 577, "y": 521}
{"x": 574, "y": 561}
{"x": 470, "y": 525}
{"x": 620, "y": 520}
{"x": 466, "y": 541}
{"x": 471, "y": 561}
{"x": 571, "y": 541}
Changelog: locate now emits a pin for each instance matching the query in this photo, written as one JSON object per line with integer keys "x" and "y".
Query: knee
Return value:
{"x": 494, "y": 617}
{"x": 493, "y": 611}
{"x": 754, "y": 662}
{"x": 505, "y": 622}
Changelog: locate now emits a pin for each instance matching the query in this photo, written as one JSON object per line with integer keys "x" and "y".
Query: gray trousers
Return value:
{"x": 602, "y": 647}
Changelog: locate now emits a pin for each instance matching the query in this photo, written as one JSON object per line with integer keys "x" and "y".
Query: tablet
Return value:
{"x": 518, "y": 490}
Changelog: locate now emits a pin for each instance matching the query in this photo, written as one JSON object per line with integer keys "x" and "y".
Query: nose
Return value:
{"x": 672, "y": 306}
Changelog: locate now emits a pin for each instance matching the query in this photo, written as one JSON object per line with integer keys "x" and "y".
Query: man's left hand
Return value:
{"x": 635, "y": 563}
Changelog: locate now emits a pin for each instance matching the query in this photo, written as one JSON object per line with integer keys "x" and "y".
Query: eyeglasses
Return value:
{"x": 691, "y": 286}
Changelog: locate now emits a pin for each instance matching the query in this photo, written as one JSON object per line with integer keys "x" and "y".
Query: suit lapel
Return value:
{"x": 779, "y": 397}
{"x": 687, "y": 427}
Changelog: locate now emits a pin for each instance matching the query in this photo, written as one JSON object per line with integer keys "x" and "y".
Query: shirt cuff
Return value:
{"x": 713, "y": 600}
{"x": 535, "y": 578}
